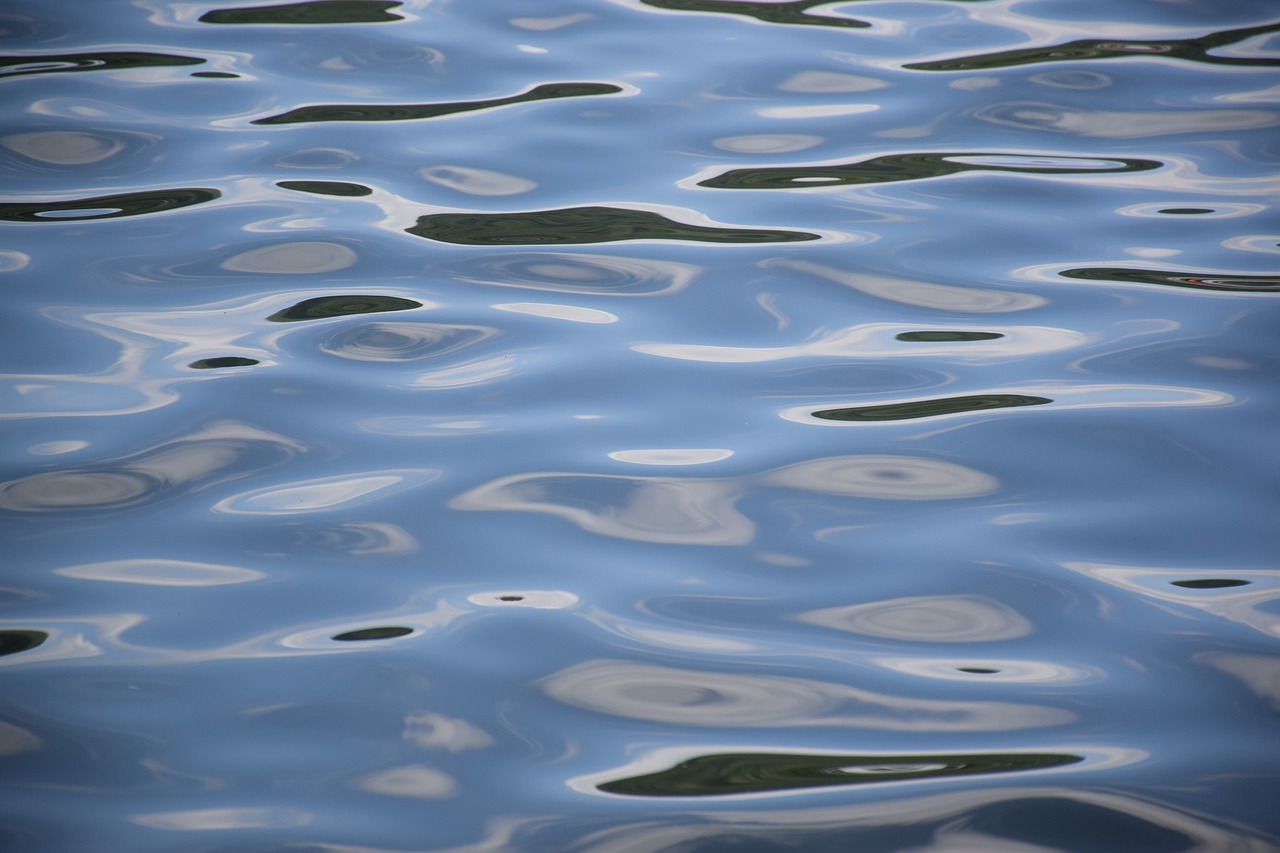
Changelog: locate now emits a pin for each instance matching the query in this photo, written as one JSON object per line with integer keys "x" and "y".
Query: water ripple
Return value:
{"x": 106, "y": 206}
{"x": 108, "y": 60}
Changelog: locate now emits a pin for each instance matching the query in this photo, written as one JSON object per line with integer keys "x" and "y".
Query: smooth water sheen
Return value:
{"x": 640, "y": 426}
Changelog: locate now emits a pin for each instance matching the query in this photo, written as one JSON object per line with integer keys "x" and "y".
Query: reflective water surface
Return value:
{"x": 639, "y": 426}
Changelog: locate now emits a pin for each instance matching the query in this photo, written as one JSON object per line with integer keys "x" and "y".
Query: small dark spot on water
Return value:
{"x": 322, "y": 307}
{"x": 977, "y": 670}
{"x": 312, "y": 12}
{"x": 511, "y": 598}
{"x": 1211, "y": 583}
{"x": 218, "y": 74}
{"x": 12, "y": 642}
{"x": 1187, "y": 211}
{"x": 382, "y": 633}
{"x": 340, "y": 188}
{"x": 938, "y": 337}
{"x": 223, "y": 361}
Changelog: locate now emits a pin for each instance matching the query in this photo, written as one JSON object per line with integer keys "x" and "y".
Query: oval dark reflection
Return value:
{"x": 12, "y": 642}
{"x": 1211, "y": 583}
{"x": 939, "y": 337}
{"x": 341, "y": 188}
{"x": 582, "y": 225}
{"x": 223, "y": 361}
{"x": 749, "y": 773}
{"x": 13, "y": 66}
{"x": 315, "y": 12}
{"x": 323, "y": 307}
{"x": 383, "y": 633}
{"x": 106, "y": 206}
{"x": 930, "y": 408}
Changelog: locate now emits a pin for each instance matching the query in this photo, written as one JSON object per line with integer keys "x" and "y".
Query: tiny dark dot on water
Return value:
{"x": 223, "y": 361}
{"x": 1211, "y": 583}
{"x": 979, "y": 670}
{"x": 1187, "y": 211}
{"x": 511, "y": 598}
{"x": 384, "y": 633}
{"x": 220, "y": 74}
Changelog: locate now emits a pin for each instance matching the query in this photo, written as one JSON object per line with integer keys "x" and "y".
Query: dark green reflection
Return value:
{"x": 1245, "y": 283}
{"x": 1195, "y": 50}
{"x": 317, "y": 12}
{"x": 323, "y": 307}
{"x": 375, "y": 633}
{"x": 930, "y": 408}
{"x": 12, "y": 642}
{"x": 771, "y": 13}
{"x": 941, "y": 336}
{"x": 914, "y": 167}
{"x": 105, "y": 206}
{"x": 1186, "y": 211}
{"x": 222, "y": 361}
{"x": 1211, "y": 583}
{"x": 582, "y": 225}
{"x": 13, "y": 66}
{"x": 326, "y": 187}
{"x": 410, "y": 112}
{"x": 749, "y": 773}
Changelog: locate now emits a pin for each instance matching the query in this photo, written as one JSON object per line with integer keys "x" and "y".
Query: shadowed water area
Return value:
{"x": 639, "y": 426}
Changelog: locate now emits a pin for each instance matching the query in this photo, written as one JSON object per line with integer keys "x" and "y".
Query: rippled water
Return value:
{"x": 640, "y": 425}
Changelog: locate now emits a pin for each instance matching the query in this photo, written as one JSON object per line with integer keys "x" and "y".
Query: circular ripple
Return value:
{"x": 926, "y": 619}
{"x": 70, "y": 490}
{"x": 564, "y": 272}
{"x": 886, "y": 477}
{"x": 398, "y": 342}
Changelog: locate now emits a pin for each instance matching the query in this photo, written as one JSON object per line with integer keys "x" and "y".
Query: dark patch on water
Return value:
{"x": 1195, "y": 50}
{"x": 339, "y": 188}
{"x": 796, "y": 12}
{"x": 752, "y": 773}
{"x": 217, "y": 75}
{"x": 946, "y": 336}
{"x": 317, "y": 12}
{"x": 15, "y": 641}
{"x": 106, "y": 206}
{"x": 324, "y": 307}
{"x": 381, "y": 633}
{"x": 223, "y": 361}
{"x": 583, "y": 225}
{"x": 1186, "y": 211}
{"x": 1211, "y": 583}
{"x": 413, "y": 112}
{"x": 115, "y": 60}
{"x": 1199, "y": 281}
{"x": 931, "y": 408}
{"x": 914, "y": 167}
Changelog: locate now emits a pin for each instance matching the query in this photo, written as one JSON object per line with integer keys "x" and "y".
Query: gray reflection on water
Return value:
{"x": 297, "y": 258}
{"x": 564, "y": 272}
{"x": 905, "y": 478}
{"x": 650, "y": 509}
{"x": 161, "y": 572}
{"x": 687, "y": 697}
{"x": 920, "y": 293}
{"x": 324, "y": 494}
{"x": 927, "y": 619}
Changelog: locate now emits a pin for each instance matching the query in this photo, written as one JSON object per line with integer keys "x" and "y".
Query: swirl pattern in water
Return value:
{"x": 639, "y": 426}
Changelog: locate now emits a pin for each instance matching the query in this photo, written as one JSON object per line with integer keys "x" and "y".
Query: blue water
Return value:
{"x": 639, "y": 425}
